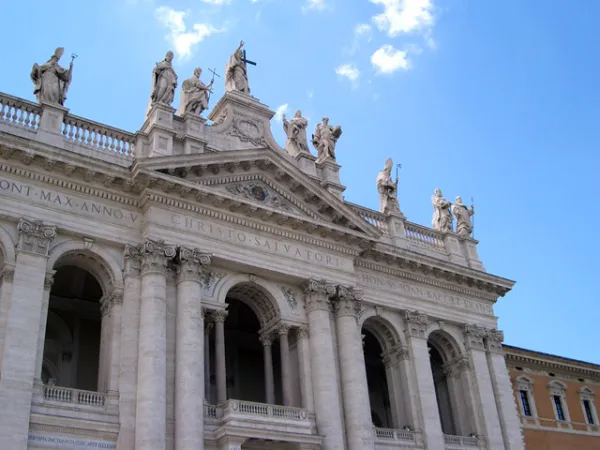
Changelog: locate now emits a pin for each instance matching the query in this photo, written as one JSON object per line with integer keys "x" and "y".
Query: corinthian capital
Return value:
{"x": 35, "y": 237}
{"x": 155, "y": 255}
{"x": 474, "y": 336}
{"x": 416, "y": 323}
{"x": 348, "y": 301}
{"x": 317, "y": 294}
{"x": 494, "y": 341}
{"x": 132, "y": 260}
{"x": 190, "y": 262}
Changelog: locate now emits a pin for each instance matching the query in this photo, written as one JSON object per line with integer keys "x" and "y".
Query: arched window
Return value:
{"x": 558, "y": 398}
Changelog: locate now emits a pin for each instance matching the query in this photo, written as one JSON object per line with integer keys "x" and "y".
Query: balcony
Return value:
{"x": 388, "y": 438}
{"x": 460, "y": 442}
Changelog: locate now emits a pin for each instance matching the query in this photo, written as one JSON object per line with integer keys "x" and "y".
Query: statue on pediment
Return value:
{"x": 51, "y": 80}
{"x": 388, "y": 189}
{"x": 236, "y": 75}
{"x": 442, "y": 217}
{"x": 164, "y": 82}
{"x": 295, "y": 130}
{"x": 325, "y": 140}
{"x": 464, "y": 224}
{"x": 194, "y": 95}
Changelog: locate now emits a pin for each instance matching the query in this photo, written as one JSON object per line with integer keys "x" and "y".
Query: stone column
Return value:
{"x": 151, "y": 415}
{"x": 501, "y": 385}
{"x": 207, "y": 329}
{"x": 306, "y": 388}
{"x": 326, "y": 392}
{"x": 286, "y": 370}
{"x": 39, "y": 360}
{"x": 21, "y": 337}
{"x": 463, "y": 414}
{"x": 189, "y": 362}
{"x": 488, "y": 422}
{"x": 220, "y": 361}
{"x": 128, "y": 365}
{"x": 6, "y": 278}
{"x": 266, "y": 341}
{"x": 397, "y": 393}
{"x": 428, "y": 415}
{"x": 355, "y": 391}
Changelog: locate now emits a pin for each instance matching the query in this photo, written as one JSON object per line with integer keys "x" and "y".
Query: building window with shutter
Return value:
{"x": 558, "y": 405}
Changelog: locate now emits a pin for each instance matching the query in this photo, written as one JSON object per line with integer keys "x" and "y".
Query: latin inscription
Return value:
{"x": 68, "y": 202}
{"x": 258, "y": 242}
{"x": 59, "y": 442}
{"x": 424, "y": 293}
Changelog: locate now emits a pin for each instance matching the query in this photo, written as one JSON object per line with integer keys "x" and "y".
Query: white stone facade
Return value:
{"x": 180, "y": 221}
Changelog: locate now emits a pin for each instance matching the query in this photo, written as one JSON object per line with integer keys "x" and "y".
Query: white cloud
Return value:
{"x": 217, "y": 2}
{"x": 315, "y": 5}
{"x": 388, "y": 59}
{"x": 179, "y": 36}
{"x": 404, "y": 16}
{"x": 362, "y": 28}
{"x": 349, "y": 71}
{"x": 280, "y": 111}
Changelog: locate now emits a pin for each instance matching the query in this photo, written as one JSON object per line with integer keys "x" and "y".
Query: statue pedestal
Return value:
{"x": 329, "y": 171}
{"x": 235, "y": 102}
{"x": 306, "y": 163}
{"x": 51, "y": 119}
{"x": 469, "y": 248}
{"x": 453, "y": 248}
{"x": 160, "y": 131}
{"x": 395, "y": 222}
{"x": 193, "y": 129}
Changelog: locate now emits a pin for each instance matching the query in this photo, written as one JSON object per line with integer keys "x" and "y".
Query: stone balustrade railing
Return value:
{"x": 460, "y": 442}
{"x": 390, "y": 434}
{"x": 424, "y": 237}
{"x": 97, "y": 136}
{"x": 263, "y": 410}
{"x": 77, "y": 396}
{"x": 19, "y": 113}
{"x": 377, "y": 219}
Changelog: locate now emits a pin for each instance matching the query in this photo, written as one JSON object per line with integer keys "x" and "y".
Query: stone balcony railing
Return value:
{"x": 460, "y": 442}
{"x": 74, "y": 399}
{"x": 392, "y": 438}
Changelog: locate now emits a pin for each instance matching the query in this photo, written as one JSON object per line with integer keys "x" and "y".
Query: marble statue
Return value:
{"x": 164, "y": 81}
{"x": 325, "y": 139}
{"x": 442, "y": 218}
{"x": 388, "y": 189}
{"x": 51, "y": 80}
{"x": 295, "y": 130}
{"x": 194, "y": 95}
{"x": 464, "y": 225}
{"x": 236, "y": 76}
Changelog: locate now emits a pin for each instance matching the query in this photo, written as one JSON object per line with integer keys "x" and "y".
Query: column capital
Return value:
{"x": 132, "y": 260}
{"x": 35, "y": 237}
{"x": 155, "y": 255}
{"x": 302, "y": 332}
{"x": 219, "y": 316}
{"x": 347, "y": 302}
{"x": 493, "y": 341}
{"x": 457, "y": 367}
{"x": 208, "y": 326}
{"x": 395, "y": 355}
{"x": 266, "y": 339}
{"x": 283, "y": 329}
{"x": 190, "y": 263}
{"x": 474, "y": 336}
{"x": 109, "y": 300}
{"x": 318, "y": 293}
{"x": 416, "y": 324}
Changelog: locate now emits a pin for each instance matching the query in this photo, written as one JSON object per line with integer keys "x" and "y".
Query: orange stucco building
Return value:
{"x": 556, "y": 399}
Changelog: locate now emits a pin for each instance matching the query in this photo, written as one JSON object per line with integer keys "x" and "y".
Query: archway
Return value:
{"x": 73, "y": 330}
{"x": 377, "y": 380}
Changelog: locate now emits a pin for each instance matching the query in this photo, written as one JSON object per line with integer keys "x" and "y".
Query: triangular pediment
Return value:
{"x": 261, "y": 178}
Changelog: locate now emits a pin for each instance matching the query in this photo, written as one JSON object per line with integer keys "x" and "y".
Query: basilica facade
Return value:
{"x": 194, "y": 285}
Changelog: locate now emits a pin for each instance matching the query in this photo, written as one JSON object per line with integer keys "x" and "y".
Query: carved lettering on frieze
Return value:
{"x": 35, "y": 237}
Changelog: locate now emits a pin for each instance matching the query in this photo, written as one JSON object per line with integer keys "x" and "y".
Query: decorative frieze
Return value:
{"x": 155, "y": 255}
{"x": 416, "y": 324}
{"x": 190, "y": 263}
{"x": 318, "y": 294}
{"x": 35, "y": 237}
{"x": 474, "y": 336}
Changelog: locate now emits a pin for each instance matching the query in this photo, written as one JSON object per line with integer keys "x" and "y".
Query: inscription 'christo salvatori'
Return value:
{"x": 424, "y": 293}
{"x": 258, "y": 242}
{"x": 68, "y": 202}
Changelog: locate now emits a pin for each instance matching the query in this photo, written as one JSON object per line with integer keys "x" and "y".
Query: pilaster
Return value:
{"x": 306, "y": 387}
{"x": 267, "y": 343}
{"x": 220, "y": 361}
{"x": 395, "y": 361}
{"x": 48, "y": 281}
{"x": 326, "y": 392}
{"x": 151, "y": 396}
{"x": 22, "y": 334}
{"x": 286, "y": 375}
{"x": 355, "y": 392}
{"x": 6, "y": 284}
{"x": 428, "y": 415}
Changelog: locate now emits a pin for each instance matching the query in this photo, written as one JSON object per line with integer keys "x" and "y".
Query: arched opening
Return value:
{"x": 73, "y": 329}
{"x": 442, "y": 391}
{"x": 377, "y": 380}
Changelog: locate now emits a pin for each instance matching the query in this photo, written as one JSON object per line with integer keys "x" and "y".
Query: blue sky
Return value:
{"x": 496, "y": 100}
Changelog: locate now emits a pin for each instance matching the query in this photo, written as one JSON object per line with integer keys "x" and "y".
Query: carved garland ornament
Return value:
{"x": 248, "y": 130}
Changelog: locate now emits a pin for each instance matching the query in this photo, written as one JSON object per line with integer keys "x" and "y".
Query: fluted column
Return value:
{"x": 22, "y": 331}
{"x": 220, "y": 361}
{"x": 6, "y": 278}
{"x": 189, "y": 351}
{"x": 151, "y": 417}
{"x": 209, "y": 325}
{"x": 39, "y": 360}
{"x": 266, "y": 342}
{"x": 128, "y": 366}
{"x": 306, "y": 388}
{"x": 286, "y": 370}
{"x": 322, "y": 355}
{"x": 488, "y": 423}
{"x": 507, "y": 411}
{"x": 355, "y": 391}
{"x": 428, "y": 415}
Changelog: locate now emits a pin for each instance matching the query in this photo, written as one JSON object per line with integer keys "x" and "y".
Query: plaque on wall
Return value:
{"x": 43, "y": 440}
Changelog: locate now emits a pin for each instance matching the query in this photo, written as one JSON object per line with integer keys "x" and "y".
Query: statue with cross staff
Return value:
{"x": 236, "y": 76}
